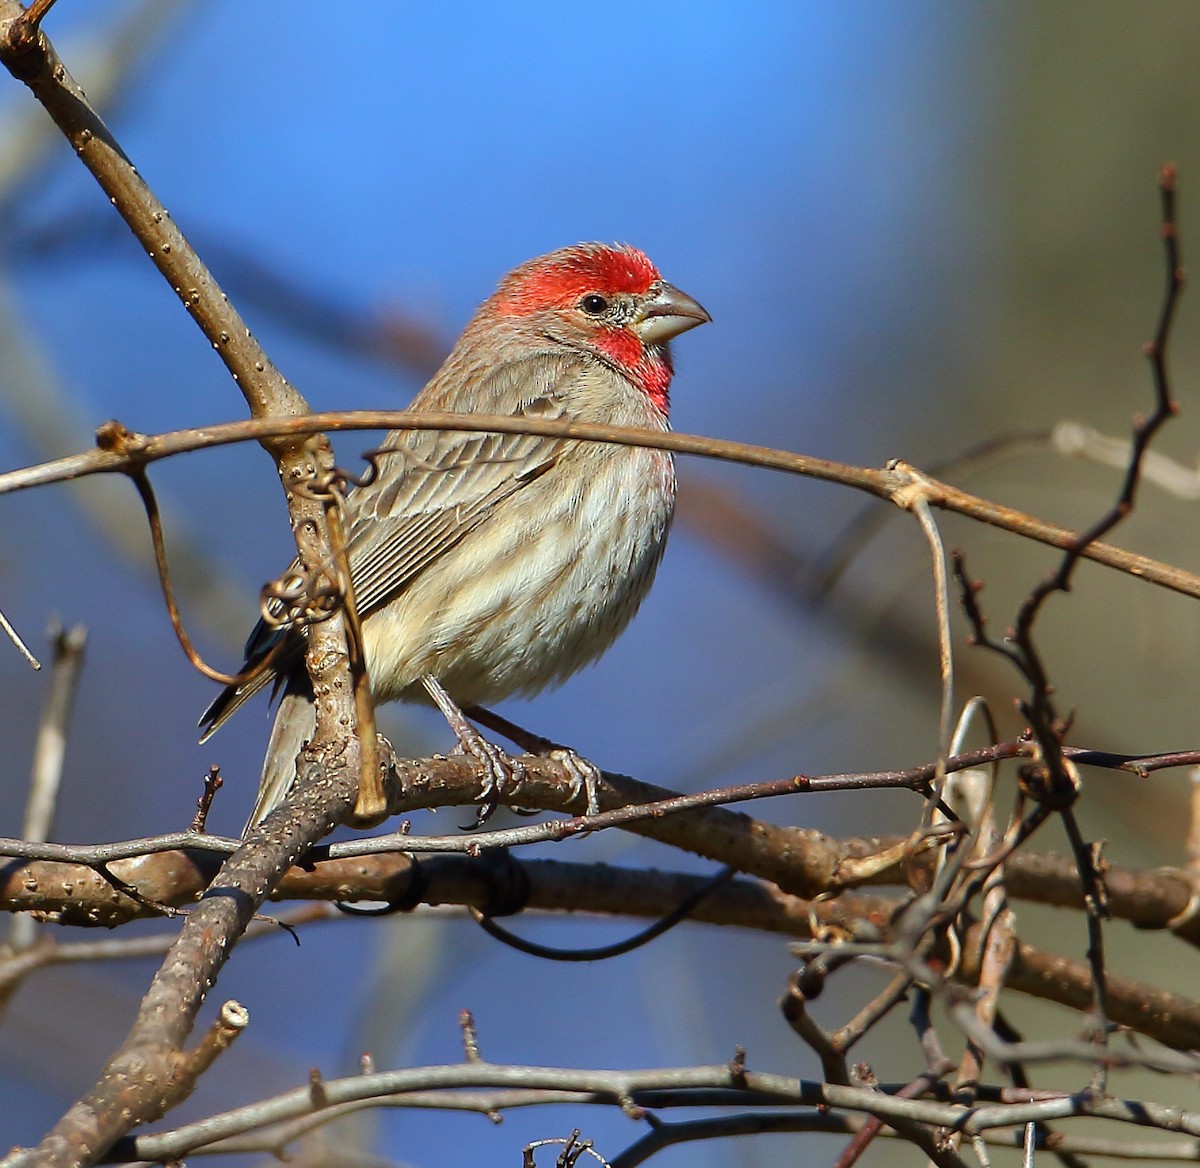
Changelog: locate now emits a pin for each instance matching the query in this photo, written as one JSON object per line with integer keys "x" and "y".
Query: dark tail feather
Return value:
{"x": 227, "y": 703}
{"x": 288, "y": 648}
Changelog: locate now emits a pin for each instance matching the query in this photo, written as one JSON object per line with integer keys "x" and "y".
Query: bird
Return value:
{"x": 491, "y": 565}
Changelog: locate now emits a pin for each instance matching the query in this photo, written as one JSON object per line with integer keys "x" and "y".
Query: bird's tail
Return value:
{"x": 295, "y": 724}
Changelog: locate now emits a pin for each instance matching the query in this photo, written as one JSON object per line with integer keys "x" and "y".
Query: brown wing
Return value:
{"x": 434, "y": 488}
{"x": 439, "y": 484}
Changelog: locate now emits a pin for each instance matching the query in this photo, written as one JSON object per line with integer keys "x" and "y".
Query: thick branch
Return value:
{"x": 56, "y": 878}
{"x": 140, "y": 1080}
{"x": 151, "y": 1069}
{"x": 494, "y": 884}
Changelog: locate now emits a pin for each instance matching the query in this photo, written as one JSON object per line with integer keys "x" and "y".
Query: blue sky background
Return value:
{"x": 870, "y": 199}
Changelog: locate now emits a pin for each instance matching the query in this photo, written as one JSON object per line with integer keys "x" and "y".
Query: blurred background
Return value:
{"x": 917, "y": 226}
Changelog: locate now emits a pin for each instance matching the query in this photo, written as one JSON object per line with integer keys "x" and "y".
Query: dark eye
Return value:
{"x": 594, "y": 304}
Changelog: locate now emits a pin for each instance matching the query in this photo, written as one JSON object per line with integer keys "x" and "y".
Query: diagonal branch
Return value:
{"x": 143, "y": 1077}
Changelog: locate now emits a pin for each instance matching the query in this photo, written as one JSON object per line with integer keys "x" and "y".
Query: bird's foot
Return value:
{"x": 503, "y": 774}
{"x": 585, "y": 775}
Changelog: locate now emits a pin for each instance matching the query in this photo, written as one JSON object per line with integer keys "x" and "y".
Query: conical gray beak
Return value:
{"x": 669, "y": 313}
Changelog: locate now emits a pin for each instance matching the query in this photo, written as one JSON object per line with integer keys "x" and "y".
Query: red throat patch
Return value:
{"x": 648, "y": 368}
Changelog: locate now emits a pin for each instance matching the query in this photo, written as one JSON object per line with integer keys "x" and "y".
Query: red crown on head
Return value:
{"x": 562, "y": 277}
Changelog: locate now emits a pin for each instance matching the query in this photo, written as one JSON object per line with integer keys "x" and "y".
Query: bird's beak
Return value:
{"x": 667, "y": 314}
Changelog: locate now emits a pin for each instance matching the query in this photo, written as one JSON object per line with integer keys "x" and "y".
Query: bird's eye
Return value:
{"x": 594, "y": 304}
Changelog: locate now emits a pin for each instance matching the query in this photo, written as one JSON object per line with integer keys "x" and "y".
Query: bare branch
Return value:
{"x": 12, "y": 634}
{"x": 68, "y": 646}
{"x": 48, "y": 755}
{"x": 894, "y": 482}
{"x": 666, "y": 1087}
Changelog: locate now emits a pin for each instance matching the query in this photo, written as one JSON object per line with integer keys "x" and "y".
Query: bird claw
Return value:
{"x": 585, "y": 776}
{"x": 503, "y": 774}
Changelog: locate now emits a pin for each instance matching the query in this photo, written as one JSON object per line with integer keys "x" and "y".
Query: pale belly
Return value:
{"x": 534, "y": 593}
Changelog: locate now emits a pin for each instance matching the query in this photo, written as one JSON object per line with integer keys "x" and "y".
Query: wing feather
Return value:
{"x": 434, "y": 487}
{"x": 438, "y": 486}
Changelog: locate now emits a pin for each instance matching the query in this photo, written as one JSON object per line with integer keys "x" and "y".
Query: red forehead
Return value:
{"x": 562, "y": 277}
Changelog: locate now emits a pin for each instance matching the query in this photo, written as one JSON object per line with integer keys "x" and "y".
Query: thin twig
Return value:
{"x": 49, "y": 752}
{"x": 941, "y": 599}
{"x": 15, "y": 637}
{"x": 68, "y": 650}
{"x": 806, "y": 983}
{"x": 873, "y": 1012}
{"x": 996, "y": 946}
{"x": 666, "y": 1135}
{"x": 889, "y": 483}
{"x": 937, "y": 1065}
{"x": 831, "y": 565}
{"x": 370, "y": 807}
{"x": 1095, "y": 901}
{"x": 212, "y": 784}
{"x": 166, "y": 583}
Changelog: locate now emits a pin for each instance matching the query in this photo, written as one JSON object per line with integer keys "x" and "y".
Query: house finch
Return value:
{"x": 487, "y": 565}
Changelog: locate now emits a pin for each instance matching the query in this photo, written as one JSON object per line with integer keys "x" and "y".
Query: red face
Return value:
{"x": 609, "y": 300}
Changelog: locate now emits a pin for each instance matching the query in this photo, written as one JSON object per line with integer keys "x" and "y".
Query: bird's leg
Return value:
{"x": 585, "y": 774}
{"x": 504, "y": 773}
